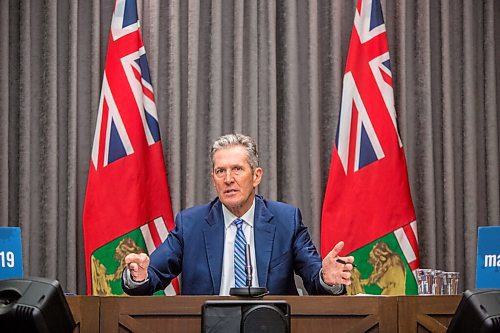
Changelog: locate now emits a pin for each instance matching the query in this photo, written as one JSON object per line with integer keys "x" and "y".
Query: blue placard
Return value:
{"x": 488, "y": 258}
{"x": 11, "y": 263}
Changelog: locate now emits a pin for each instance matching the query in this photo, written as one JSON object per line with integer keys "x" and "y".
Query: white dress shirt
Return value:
{"x": 227, "y": 278}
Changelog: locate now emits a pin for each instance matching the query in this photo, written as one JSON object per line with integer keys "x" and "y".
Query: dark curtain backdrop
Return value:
{"x": 269, "y": 68}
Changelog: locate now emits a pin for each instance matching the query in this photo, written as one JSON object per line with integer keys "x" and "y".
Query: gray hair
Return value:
{"x": 237, "y": 139}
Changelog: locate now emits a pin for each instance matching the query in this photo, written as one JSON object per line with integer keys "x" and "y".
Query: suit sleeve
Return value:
{"x": 165, "y": 263}
{"x": 307, "y": 261}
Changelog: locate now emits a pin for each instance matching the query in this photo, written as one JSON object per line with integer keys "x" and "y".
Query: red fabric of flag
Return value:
{"x": 367, "y": 194}
{"x": 127, "y": 182}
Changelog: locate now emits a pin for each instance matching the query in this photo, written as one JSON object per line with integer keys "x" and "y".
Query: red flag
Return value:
{"x": 127, "y": 205}
{"x": 367, "y": 200}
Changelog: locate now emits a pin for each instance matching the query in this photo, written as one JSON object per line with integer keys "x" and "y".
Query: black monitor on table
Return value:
{"x": 246, "y": 316}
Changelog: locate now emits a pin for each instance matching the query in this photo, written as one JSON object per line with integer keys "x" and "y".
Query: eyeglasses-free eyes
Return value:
{"x": 234, "y": 171}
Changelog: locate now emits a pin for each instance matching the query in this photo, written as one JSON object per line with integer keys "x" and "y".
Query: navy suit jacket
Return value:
{"x": 196, "y": 246}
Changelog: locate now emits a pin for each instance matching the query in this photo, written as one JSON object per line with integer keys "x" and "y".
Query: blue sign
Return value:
{"x": 488, "y": 258}
{"x": 11, "y": 263}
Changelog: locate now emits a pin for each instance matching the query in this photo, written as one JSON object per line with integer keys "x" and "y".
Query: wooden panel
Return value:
{"x": 152, "y": 314}
{"x": 426, "y": 313}
{"x": 85, "y": 310}
{"x": 308, "y": 313}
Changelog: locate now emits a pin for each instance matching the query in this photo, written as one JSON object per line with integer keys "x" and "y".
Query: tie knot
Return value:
{"x": 238, "y": 223}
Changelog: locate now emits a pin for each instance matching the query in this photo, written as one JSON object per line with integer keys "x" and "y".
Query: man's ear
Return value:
{"x": 257, "y": 176}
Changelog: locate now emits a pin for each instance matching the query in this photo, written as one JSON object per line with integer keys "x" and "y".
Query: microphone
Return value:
{"x": 248, "y": 290}
{"x": 248, "y": 265}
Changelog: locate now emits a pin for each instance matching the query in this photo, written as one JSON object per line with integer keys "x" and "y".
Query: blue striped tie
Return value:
{"x": 239, "y": 255}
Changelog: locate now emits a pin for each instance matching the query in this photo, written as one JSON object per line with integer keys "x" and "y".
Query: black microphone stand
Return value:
{"x": 248, "y": 291}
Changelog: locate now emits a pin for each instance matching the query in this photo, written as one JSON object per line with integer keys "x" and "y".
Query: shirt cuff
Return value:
{"x": 336, "y": 289}
{"x": 129, "y": 282}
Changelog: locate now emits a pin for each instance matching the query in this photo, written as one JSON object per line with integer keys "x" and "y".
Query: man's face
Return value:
{"x": 234, "y": 180}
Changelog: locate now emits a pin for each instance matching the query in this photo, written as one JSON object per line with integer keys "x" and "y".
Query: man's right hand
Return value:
{"x": 138, "y": 266}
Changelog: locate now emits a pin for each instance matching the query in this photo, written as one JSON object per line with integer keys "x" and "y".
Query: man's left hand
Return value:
{"x": 335, "y": 272}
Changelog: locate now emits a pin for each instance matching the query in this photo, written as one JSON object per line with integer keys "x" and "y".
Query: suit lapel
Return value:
{"x": 263, "y": 238}
{"x": 214, "y": 240}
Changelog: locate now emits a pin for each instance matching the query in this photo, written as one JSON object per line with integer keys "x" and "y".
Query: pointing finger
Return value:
{"x": 336, "y": 249}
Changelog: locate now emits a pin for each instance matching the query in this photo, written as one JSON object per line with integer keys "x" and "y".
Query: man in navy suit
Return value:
{"x": 202, "y": 245}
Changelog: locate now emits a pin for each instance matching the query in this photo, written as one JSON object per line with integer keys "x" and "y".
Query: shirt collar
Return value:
{"x": 230, "y": 217}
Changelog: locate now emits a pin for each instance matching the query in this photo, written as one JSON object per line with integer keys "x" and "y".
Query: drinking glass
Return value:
{"x": 425, "y": 281}
{"x": 450, "y": 283}
{"x": 437, "y": 287}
